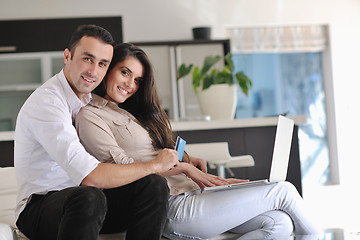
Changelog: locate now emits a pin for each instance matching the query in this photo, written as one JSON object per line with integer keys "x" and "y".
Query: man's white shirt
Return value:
{"x": 48, "y": 154}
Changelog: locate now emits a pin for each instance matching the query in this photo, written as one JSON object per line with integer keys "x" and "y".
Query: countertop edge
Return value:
{"x": 206, "y": 125}
{"x": 236, "y": 123}
{"x": 7, "y": 136}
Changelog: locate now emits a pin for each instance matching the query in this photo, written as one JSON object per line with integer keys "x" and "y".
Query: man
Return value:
{"x": 64, "y": 192}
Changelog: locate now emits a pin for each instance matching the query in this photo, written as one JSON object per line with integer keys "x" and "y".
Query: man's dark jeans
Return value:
{"x": 82, "y": 212}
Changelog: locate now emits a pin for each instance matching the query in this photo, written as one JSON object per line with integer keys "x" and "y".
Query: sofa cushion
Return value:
{"x": 8, "y": 190}
{"x": 7, "y": 232}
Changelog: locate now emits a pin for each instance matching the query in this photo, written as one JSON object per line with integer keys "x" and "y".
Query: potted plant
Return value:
{"x": 216, "y": 88}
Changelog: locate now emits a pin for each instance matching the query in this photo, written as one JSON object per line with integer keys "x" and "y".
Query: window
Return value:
{"x": 288, "y": 67}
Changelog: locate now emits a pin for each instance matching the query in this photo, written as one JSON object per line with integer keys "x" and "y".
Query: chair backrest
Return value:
{"x": 210, "y": 152}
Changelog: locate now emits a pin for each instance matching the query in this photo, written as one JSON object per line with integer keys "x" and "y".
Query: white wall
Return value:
{"x": 146, "y": 20}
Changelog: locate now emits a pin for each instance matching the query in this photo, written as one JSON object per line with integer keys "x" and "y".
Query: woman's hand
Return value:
{"x": 204, "y": 179}
{"x": 199, "y": 163}
{"x": 200, "y": 177}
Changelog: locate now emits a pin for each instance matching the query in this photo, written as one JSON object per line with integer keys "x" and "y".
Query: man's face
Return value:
{"x": 86, "y": 67}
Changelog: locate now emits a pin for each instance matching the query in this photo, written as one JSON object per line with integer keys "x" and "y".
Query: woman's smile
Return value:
{"x": 123, "y": 91}
{"x": 123, "y": 80}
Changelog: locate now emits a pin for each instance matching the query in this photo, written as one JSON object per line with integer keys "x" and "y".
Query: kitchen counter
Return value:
{"x": 7, "y": 136}
{"x": 253, "y": 136}
{"x": 236, "y": 123}
{"x": 207, "y": 125}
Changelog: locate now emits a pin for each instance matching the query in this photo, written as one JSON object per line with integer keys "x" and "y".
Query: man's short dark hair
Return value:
{"x": 90, "y": 30}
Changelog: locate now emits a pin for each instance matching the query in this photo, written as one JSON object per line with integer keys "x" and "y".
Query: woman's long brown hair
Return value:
{"x": 145, "y": 103}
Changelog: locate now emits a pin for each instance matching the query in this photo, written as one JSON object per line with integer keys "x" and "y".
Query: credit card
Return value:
{"x": 180, "y": 147}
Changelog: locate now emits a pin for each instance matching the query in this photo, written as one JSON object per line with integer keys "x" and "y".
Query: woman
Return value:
{"x": 124, "y": 123}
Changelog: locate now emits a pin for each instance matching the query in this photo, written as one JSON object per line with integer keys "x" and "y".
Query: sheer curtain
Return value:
{"x": 307, "y": 38}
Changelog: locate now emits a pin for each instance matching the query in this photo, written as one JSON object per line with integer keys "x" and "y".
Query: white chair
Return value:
{"x": 217, "y": 155}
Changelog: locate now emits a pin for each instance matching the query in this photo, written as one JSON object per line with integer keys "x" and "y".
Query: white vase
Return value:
{"x": 218, "y": 101}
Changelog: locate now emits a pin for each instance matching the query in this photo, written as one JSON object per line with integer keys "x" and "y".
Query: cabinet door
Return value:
{"x": 162, "y": 59}
{"x": 21, "y": 35}
{"x": 7, "y": 153}
{"x": 20, "y": 75}
{"x": 39, "y": 35}
{"x": 195, "y": 54}
{"x": 10, "y": 104}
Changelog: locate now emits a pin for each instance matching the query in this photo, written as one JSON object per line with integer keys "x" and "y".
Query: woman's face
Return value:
{"x": 124, "y": 79}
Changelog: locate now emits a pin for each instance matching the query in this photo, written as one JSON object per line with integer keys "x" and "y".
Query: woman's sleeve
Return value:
{"x": 98, "y": 139}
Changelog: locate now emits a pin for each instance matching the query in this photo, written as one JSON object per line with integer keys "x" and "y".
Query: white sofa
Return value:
{"x": 7, "y": 203}
{"x": 8, "y": 229}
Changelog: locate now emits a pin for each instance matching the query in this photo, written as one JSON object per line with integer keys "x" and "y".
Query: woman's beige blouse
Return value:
{"x": 113, "y": 135}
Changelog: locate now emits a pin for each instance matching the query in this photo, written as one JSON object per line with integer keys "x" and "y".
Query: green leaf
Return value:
{"x": 244, "y": 82}
{"x": 183, "y": 70}
{"x": 227, "y": 75}
{"x": 208, "y": 81}
{"x": 201, "y": 78}
{"x": 209, "y": 62}
{"x": 229, "y": 62}
{"x": 196, "y": 78}
{"x": 220, "y": 77}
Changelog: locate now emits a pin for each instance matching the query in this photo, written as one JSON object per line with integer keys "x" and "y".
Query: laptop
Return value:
{"x": 280, "y": 158}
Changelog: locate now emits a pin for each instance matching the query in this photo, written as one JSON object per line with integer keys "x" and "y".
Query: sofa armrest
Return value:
{"x": 8, "y": 192}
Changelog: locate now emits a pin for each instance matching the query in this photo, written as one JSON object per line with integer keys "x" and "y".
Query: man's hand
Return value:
{"x": 165, "y": 160}
{"x": 110, "y": 175}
